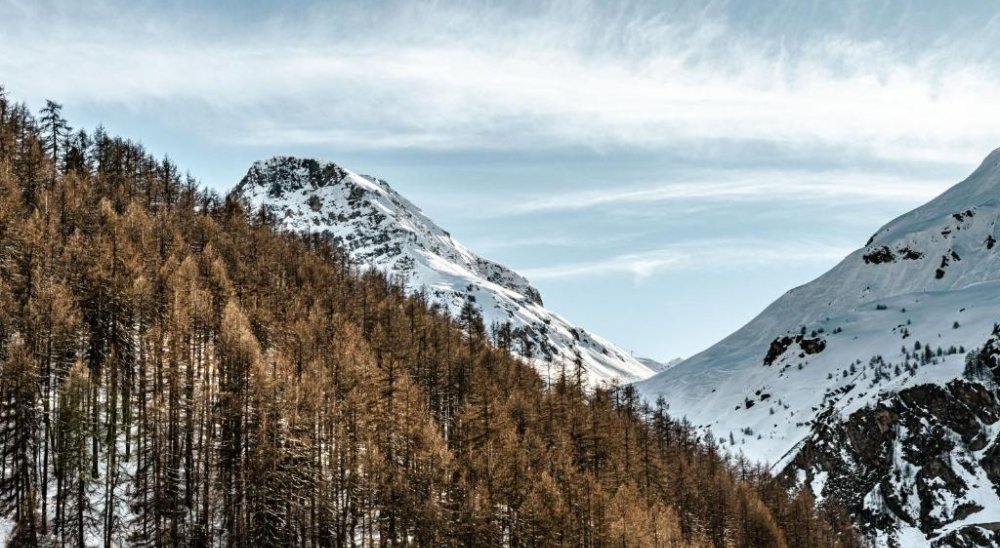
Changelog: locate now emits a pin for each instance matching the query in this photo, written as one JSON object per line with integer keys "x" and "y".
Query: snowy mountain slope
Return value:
{"x": 848, "y": 341}
{"x": 383, "y": 230}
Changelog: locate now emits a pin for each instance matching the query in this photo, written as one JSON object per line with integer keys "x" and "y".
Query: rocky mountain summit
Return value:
{"x": 381, "y": 229}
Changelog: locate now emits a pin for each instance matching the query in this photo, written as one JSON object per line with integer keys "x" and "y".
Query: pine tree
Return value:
{"x": 55, "y": 130}
{"x": 239, "y": 353}
{"x": 74, "y": 513}
{"x": 19, "y": 484}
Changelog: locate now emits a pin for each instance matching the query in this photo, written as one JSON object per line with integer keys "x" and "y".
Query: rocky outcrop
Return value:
{"x": 924, "y": 460}
{"x": 882, "y": 254}
{"x": 779, "y": 346}
{"x": 879, "y": 255}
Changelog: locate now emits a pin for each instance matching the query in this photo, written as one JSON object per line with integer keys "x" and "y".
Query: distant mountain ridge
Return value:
{"x": 837, "y": 382}
{"x": 381, "y": 229}
{"x": 658, "y": 366}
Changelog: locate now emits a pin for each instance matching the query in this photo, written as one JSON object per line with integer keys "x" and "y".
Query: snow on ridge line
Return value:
{"x": 896, "y": 319}
{"x": 946, "y": 246}
{"x": 381, "y": 229}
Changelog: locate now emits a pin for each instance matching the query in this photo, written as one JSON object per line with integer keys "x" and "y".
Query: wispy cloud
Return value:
{"x": 705, "y": 254}
{"x": 492, "y": 243}
{"x": 739, "y": 185}
{"x": 471, "y": 75}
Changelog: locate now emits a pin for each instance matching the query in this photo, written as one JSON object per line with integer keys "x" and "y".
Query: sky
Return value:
{"x": 660, "y": 170}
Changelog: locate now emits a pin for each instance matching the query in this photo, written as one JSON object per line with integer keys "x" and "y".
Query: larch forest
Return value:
{"x": 175, "y": 371}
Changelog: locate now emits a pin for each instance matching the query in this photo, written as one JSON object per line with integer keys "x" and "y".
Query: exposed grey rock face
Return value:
{"x": 925, "y": 458}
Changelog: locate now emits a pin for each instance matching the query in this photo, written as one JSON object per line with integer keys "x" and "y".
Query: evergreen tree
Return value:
{"x": 55, "y": 129}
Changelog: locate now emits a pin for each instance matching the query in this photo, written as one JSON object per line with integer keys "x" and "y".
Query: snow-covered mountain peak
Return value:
{"x": 980, "y": 189}
{"x": 896, "y": 316}
{"x": 381, "y": 229}
{"x": 983, "y": 185}
{"x": 366, "y": 217}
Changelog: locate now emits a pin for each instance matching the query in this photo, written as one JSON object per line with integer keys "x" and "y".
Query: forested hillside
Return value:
{"x": 173, "y": 373}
